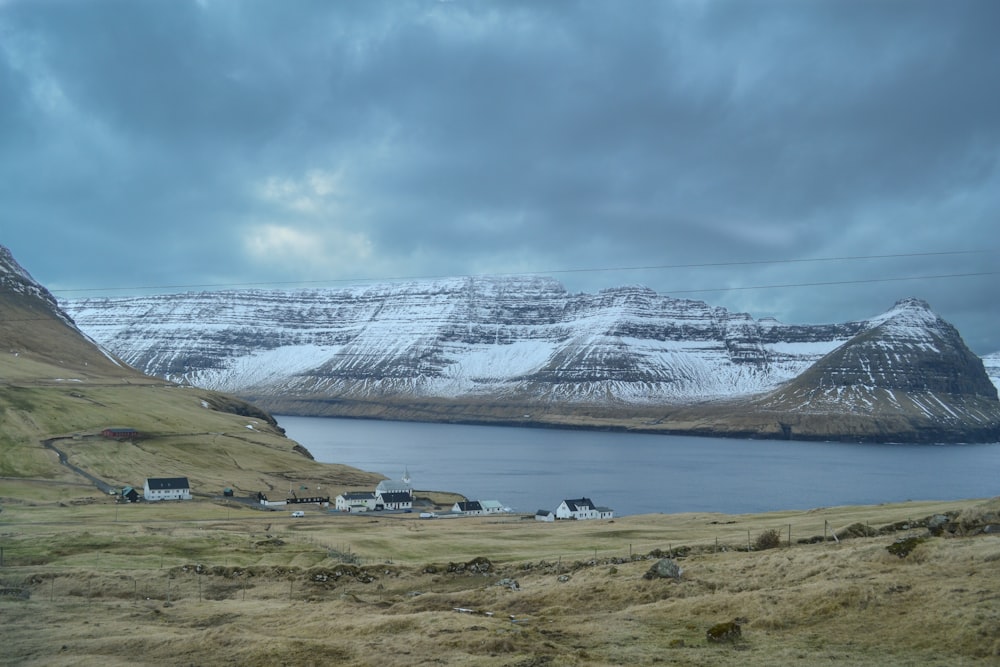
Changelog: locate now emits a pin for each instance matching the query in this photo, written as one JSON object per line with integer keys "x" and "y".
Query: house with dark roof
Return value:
{"x": 545, "y": 515}
{"x": 468, "y": 507}
{"x": 479, "y": 507}
{"x": 167, "y": 488}
{"x": 582, "y": 508}
{"x": 394, "y": 500}
{"x": 394, "y": 495}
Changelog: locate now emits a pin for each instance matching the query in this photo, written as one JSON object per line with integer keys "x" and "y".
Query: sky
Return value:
{"x": 810, "y": 161}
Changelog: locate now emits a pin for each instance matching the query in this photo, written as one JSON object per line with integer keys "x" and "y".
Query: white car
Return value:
{"x": 296, "y": 515}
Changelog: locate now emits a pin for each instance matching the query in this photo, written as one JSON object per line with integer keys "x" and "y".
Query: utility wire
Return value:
{"x": 835, "y": 282}
{"x": 699, "y": 265}
{"x": 723, "y": 289}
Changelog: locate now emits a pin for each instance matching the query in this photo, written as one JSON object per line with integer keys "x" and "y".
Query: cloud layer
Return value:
{"x": 148, "y": 143}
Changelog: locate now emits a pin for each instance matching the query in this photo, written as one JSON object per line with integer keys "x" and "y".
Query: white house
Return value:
{"x": 167, "y": 488}
{"x": 544, "y": 515}
{"x": 394, "y": 500}
{"x": 479, "y": 507}
{"x": 356, "y": 501}
{"x": 492, "y": 507}
{"x": 582, "y": 508}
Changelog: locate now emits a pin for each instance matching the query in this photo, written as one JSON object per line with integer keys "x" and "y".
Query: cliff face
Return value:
{"x": 909, "y": 370}
{"x": 456, "y": 338}
{"x": 503, "y": 349}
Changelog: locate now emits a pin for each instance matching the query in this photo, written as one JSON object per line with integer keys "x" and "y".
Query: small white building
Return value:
{"x": 166, "y": 488}
{"x": 492, "y": 507}
{"x": 356, "y": 501}
{"x": 545, "y": 515}
{"x": 582, "y": 508}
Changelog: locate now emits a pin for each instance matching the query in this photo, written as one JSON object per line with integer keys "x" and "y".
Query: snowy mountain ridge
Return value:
{"x": 450, "y": 338}
{"x": 524, "y": 350}
{"x": 472, "y": 336}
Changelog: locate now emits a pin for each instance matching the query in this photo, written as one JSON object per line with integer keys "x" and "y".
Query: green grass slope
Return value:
{"x": 58, "y": 391}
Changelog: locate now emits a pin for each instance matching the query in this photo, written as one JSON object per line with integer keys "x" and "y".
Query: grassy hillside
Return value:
{"x": 57, "y": 387}
{"x": 184, "y": 432}
{"x": 87, "y": 582}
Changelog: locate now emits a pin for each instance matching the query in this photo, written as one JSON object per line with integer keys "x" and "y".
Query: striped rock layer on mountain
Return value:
{"x": 524, "y": 350}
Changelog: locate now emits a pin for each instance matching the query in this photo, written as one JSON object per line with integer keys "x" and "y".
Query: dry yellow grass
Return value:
{"x": 204, "y": 583}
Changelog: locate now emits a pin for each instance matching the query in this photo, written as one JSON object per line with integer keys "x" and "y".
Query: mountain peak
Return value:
{"x": 16, "y": 279}
{"x": 911, "y": 319}
{"x": 33, "y": 326}
{"x": 911, "y": 302}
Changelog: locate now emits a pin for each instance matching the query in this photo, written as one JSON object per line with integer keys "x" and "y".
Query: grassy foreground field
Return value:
{"x": 85, "y": 581}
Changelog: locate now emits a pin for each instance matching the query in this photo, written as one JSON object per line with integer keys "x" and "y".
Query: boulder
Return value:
{"x": 665, "y": 568}
{"x": 729, "y": 631}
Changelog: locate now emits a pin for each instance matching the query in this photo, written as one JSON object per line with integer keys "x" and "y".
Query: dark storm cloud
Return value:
{"x": 234, "y": 142}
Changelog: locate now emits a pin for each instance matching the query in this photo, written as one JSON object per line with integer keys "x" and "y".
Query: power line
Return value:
{"x": 654, "y": 267}
{"x": 836, "y": 282}
{"x": 942, "y": 276}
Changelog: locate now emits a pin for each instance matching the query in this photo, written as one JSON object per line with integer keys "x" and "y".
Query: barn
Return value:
{"x": 120, "y": 433}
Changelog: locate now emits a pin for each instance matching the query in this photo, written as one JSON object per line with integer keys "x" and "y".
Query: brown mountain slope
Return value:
{"x": 58, "y": 391}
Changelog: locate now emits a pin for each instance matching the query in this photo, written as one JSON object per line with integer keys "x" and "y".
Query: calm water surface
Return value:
{"x": 529, "y": 468}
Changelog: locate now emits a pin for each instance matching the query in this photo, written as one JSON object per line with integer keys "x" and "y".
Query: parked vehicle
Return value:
{"x": 298, "y": 514}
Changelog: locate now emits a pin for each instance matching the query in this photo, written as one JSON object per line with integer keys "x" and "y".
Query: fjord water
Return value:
{"x": 528, "y": 469}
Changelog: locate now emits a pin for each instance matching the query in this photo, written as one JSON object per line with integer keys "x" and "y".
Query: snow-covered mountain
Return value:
{"x": 908, "y": 365}
{"x": 454, "y": 338}
{"x": 484, "y": 349}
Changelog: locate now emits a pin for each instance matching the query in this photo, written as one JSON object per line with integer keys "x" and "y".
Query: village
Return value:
{"x": 392, "y": 496}
{"x": 389, "y": 496}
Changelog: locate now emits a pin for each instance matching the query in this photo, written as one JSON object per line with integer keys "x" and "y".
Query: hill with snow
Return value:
{"x": 524, "y": 350}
